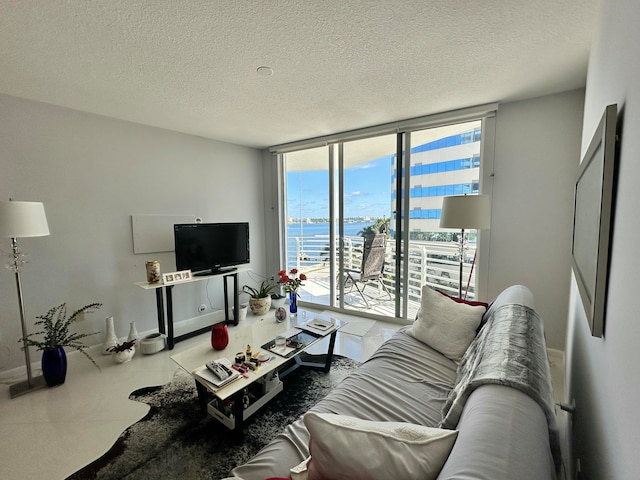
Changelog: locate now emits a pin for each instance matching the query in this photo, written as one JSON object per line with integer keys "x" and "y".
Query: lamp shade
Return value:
{"x": 466, "y": 211}
{"x": 23, "y": 219}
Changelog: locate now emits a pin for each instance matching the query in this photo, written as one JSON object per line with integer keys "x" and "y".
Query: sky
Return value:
{"x": 367, "y": 191}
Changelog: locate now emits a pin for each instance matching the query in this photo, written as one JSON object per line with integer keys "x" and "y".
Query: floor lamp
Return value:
{"x": 465, "y": 211}
{"x": 17, "y": 220}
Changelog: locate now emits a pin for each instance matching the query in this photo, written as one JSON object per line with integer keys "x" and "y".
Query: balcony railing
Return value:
{"x": 430, "y": 263}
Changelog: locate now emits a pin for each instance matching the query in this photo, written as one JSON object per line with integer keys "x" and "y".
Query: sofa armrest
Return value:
{"x": 503, "y": 434}
{"x": 518, "y": 294}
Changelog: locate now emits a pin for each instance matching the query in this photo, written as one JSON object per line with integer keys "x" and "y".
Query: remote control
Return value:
{"x": 217, "y": 370}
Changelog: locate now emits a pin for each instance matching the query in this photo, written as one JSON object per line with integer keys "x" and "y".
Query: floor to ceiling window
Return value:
{"x": 342, "y": 204}
{"x": 444, "y": 161}
{"x": 308, "y": 220}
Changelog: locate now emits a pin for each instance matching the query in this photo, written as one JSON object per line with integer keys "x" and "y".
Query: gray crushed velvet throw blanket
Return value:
{"x": 509, "y": 350}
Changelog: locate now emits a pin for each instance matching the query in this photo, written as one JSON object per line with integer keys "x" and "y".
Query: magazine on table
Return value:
{"x": 204, "y": 373}
{"x": 319, "y": 326}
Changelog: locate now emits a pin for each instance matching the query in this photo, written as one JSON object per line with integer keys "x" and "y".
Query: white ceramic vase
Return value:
{"x": 133, "y": 333}
{"x": 110, "y": 339}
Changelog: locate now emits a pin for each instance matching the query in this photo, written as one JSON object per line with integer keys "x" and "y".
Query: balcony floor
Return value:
{"x": 316, "y": 290}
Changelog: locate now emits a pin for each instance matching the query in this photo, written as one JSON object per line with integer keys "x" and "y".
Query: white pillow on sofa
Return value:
{"x": 348, "y": 448}
{"x": 446, "y": 326}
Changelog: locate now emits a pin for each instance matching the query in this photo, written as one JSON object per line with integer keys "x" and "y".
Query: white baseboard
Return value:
{"x": 17, "y": 374}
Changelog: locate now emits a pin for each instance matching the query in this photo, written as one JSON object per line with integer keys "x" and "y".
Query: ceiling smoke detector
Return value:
{"x": 265, "y": 71}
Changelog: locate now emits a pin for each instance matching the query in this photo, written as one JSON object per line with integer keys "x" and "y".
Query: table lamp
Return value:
{"x": 22, "y": 219}
{"x": 465, "y": 211}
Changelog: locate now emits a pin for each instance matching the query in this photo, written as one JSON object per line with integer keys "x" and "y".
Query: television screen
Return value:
{"x": 211, "y": 247}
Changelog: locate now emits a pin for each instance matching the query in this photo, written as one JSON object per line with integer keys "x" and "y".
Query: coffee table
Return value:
{"x": 255, "y": 332}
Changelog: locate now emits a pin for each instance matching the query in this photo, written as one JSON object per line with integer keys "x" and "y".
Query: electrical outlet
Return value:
{"x": 202, "y": 308}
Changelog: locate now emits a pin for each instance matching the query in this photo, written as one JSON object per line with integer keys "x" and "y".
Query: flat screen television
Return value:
{"x": 207, "y": 248}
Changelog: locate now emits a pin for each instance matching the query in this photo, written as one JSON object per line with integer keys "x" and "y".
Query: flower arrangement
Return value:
{"x": 291, "y": 281}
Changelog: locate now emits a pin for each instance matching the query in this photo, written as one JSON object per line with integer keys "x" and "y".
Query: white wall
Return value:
{"x": 603, "y": 375}
{"x": 537, "y": 150}
{"x": 92, "y": 173}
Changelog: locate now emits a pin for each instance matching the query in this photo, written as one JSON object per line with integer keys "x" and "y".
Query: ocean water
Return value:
{"x": 314, "y": 251}
{"x": 310, "y": 229}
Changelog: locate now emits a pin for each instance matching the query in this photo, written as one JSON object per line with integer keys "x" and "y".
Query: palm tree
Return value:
{"x": 381, "y": 225}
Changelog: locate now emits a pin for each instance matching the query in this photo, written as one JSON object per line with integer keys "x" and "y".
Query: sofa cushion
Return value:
{"x": 348, "y": 448}
{"x": 448, "y": 327}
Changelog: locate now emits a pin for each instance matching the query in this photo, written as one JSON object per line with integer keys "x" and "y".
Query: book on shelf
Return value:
{"x": 205, "y": 374}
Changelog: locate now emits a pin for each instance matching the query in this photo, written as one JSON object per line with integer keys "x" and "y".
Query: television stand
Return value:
{"x": 167, "y": 313}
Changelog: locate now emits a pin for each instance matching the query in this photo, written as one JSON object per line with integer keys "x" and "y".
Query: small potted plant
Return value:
{"x": 277, "y": 300}
{"x": 260, "y": 298}
{"x": 55, "y": 336}
{"x": 123, "y": 352}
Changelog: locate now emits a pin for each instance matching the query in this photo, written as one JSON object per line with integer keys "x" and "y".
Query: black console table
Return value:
{"x": 165, "y": 316}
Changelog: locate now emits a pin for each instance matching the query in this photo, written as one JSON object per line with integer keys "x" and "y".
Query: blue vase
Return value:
{"x": 54, "y": 366}
{"x": 293, "y": 302}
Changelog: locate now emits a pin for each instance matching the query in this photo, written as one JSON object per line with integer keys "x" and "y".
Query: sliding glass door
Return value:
{"x": 364, "y": 246}
{"x": 310, "y": 237}
{"x": 444, "y": 161}
{"x": 365, "y": 279}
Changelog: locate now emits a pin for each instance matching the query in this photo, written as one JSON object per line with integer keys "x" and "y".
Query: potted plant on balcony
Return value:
{"x": 56, "y": 335}
{"x": 260, "y": 298}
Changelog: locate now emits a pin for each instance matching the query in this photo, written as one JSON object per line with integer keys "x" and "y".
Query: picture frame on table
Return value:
{"x": 176, "y": 277}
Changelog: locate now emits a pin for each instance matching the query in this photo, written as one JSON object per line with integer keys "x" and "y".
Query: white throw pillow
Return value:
{"x": 445, "y": 325}
{"x": 348, "y": 448}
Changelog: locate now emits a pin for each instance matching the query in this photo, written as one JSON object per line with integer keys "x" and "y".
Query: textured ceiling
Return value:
{"x": 190, "y": 65}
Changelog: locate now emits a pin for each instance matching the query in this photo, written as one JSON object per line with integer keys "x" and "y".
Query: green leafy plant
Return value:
{"x": 381, "y": 225}
{"x": 264, "y": 290}
{"x": 55, "y": 330}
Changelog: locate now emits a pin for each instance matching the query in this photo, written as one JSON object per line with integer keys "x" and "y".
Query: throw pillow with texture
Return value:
{"x": 474, "y": 303}
{"x": 348, "y": 448}
{"x": 446, "y": 326}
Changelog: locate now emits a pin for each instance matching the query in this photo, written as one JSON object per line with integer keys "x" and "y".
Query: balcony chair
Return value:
{"x": 371, "y": 268}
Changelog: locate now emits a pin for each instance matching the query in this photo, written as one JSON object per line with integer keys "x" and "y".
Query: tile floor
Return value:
{"x": 53, "y": 432}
